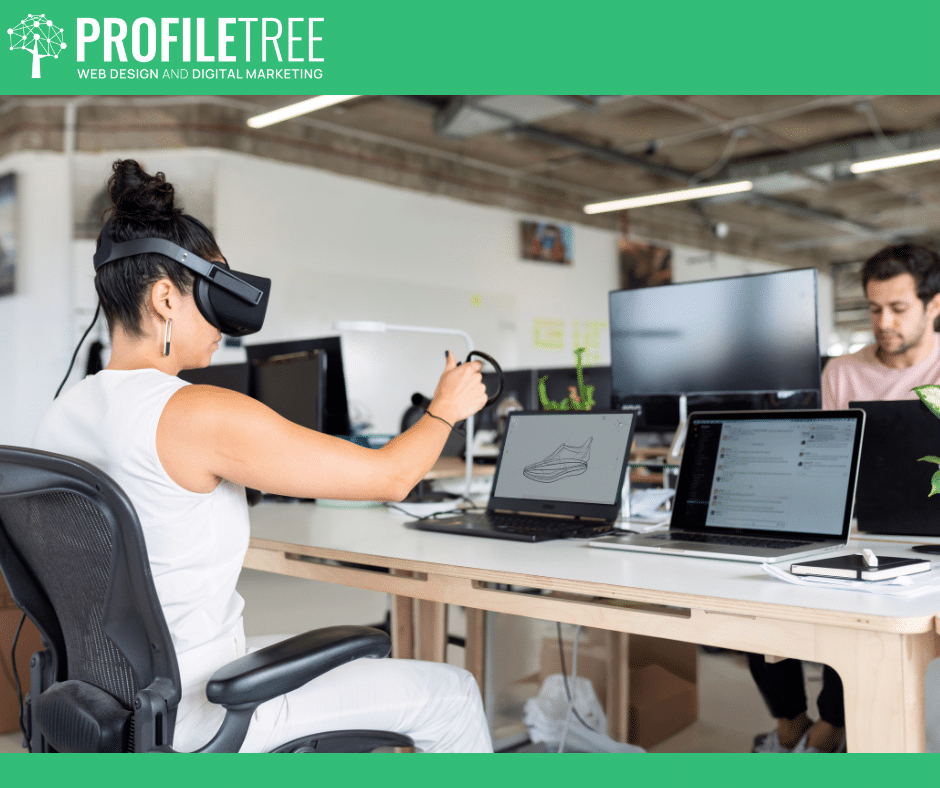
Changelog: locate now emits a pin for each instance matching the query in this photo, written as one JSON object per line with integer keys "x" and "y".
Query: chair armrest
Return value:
{"x": 285, "y": 666}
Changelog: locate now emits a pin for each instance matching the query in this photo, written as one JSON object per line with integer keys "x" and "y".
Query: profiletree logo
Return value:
{"x": 37, "y": 35}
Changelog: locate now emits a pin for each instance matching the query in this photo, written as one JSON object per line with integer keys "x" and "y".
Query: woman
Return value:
{"x": 184, "y": 453}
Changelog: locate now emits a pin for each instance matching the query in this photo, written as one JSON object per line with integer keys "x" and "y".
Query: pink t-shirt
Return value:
{"x": 861, "y": 377}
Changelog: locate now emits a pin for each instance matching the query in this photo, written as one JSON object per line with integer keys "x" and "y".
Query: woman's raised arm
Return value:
{"x": 206, "y": 434}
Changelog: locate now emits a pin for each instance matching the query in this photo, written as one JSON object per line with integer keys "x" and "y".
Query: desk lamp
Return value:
{"x": 368, "y": 325}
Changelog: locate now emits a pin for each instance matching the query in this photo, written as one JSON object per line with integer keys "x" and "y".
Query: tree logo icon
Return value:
{"x": 37, "y": 35}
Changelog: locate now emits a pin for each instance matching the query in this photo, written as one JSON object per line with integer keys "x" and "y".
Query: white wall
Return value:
{"x": 336, "y": 248}
{"x": 34, "y": 321}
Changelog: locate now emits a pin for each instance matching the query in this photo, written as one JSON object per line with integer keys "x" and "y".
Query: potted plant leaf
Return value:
{"x": 930, "y": 396}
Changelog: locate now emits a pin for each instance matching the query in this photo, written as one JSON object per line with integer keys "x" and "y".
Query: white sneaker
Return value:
{"x": 770, "y": 742}
{"x": 802, "y": 746}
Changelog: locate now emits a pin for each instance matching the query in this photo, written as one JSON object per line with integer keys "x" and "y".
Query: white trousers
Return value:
{"x": 437, "y": 705}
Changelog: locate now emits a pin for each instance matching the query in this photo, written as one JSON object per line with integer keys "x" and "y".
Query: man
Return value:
{"x": 902, "y": 284}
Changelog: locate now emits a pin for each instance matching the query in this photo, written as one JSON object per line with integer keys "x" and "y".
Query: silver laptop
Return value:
{"x": 760, "y": 486}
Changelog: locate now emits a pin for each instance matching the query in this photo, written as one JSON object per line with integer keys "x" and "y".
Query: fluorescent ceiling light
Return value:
{"x": 890, "y": 162}
{"x": 664, "y": 197}
{"x": 293, "y": 110}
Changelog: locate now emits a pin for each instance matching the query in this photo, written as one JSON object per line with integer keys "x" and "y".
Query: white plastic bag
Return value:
{"x": 546, "y": 716}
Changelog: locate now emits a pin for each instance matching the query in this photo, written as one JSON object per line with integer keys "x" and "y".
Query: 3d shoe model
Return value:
{"x": 564, "y": 461}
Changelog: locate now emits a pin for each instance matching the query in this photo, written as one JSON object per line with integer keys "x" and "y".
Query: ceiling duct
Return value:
{"x": 466, "y": 116}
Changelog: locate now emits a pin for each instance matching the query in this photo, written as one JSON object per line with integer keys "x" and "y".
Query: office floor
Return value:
{"x": 731, "y": 711}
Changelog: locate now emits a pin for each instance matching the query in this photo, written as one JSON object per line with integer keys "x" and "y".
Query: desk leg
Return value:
{"x": 883, "y": 676}
{"x": 403, "y": 623}
{"x": 431, "y": 641}
{"x": 403, "y": 627}
{"x": 475, "y": 645}
{"x": 618, "y": 686}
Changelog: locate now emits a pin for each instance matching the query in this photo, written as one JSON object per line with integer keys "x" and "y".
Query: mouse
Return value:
{"x": 926, "y": 548}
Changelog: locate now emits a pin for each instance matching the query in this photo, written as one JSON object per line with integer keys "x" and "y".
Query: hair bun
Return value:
{"x": 136, "y": 195}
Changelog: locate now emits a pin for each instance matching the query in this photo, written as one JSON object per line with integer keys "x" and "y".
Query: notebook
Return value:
{"x": 761, "y": 486}
{"x": 559, "y": 474}
{"x": 893, "y": 486}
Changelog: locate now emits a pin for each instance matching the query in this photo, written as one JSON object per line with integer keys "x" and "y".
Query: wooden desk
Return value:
{"x": 456, "y": 468}
{"x": 879, "y": 645}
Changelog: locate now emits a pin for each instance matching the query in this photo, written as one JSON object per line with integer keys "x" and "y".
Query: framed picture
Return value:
{"x": 643, "y": 265}
{"x": 8, "y": 247}
{"x": 546, "y": 242}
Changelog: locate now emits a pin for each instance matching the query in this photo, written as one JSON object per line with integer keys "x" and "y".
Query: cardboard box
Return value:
{"x": 28, "y": 643}
{"x": 592, "y": 663}
{"x": 674, "y": 655}
{"x": 663, "y": 674}
{"x": 661, "y": 704}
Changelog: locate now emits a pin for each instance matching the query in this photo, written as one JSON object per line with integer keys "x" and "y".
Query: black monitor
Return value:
{"x": 518, "y": 384}
{"x": 562, "y": 381}
{"x": 336, "y": 408}
{"x": 226, "y": 376}
{"x": 293, "y": 385}
{"x": 742, "y": 342}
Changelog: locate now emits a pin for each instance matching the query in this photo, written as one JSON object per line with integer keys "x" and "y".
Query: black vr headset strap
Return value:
{"x": 110, "y": 251}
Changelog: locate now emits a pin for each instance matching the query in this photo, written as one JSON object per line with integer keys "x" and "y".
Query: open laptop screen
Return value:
{"x": 575, "y": 457}
{"x": 783, "y": 473}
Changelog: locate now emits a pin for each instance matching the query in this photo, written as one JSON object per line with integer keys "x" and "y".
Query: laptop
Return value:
{"x": 760, "y": 486}
{"x": 559, "y": 475}
{"x": 893, "y": 486}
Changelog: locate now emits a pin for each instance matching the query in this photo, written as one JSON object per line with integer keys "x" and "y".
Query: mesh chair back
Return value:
{"x": 73, "y": 554}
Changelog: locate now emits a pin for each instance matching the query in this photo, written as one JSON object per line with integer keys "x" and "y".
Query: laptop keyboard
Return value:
{"x": 735, "y": 541}
{"x": 547, "y": 527}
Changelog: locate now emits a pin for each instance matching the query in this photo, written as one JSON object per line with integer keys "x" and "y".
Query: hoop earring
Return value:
{"x": 166, "y": 336}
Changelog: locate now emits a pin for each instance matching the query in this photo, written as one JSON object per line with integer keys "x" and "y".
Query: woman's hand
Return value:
{"x": 460, "y": 392}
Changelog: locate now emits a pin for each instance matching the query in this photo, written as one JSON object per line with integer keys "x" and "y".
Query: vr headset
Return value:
{"x": 232, "y": 301}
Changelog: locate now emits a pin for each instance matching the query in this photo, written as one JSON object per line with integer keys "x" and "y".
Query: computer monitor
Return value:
{"x": 336, "y": 407}
{"x": 293, "y": 385}
{"x": 226, "y": 376}
{"x": 562, "y": 381}
{"x": 746, "y": 341}
{"x": 518, "y": 384}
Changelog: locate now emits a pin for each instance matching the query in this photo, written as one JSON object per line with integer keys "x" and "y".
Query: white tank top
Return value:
{"x": 196, "y": 542}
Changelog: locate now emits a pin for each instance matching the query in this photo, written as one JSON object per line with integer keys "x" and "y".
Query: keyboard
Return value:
{"x": 549, "y": 527}
{"x": 736, "y": 541}
{"x": 515, "y": 527}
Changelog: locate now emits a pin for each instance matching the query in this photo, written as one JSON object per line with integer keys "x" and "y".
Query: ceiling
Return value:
{"x": 550, "y": 155}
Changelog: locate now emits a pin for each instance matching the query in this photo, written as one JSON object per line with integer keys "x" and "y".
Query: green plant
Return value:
{"x": 583, "y": 399}
{"x": 930, "y": 396}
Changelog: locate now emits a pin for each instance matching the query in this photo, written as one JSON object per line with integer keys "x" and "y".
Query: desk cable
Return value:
{"x": 564, "y": 676}
{"x": 16, "y": 681}
{"x": 437, "y": 515}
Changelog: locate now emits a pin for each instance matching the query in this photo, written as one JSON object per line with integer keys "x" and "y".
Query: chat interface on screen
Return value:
{"x": 564, "y": 457}
{"x": 771, "y": 474}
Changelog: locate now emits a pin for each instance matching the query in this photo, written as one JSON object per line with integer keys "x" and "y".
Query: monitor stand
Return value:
{"x": 678, "y": 442}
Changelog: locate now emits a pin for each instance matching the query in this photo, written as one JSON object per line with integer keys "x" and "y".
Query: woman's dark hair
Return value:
{"x": 919, "y": 261}
{"x": 143, "y": 207}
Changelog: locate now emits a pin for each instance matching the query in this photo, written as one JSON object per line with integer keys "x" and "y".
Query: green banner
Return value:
{"x": 312, "y": 47}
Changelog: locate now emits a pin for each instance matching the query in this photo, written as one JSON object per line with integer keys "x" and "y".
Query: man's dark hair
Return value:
{"x": 919, "y": 261}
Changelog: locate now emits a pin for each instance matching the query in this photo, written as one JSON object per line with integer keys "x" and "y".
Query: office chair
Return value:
{"x": 73, "y": 555}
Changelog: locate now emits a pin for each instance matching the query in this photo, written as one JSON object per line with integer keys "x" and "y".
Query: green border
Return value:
{"x": 494, "y": 46}
{"x": 466, "y": 771}
{"x": 426, "y": 47}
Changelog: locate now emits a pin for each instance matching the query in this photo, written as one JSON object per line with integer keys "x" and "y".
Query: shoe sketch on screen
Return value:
{"x": 564, "y": 461}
